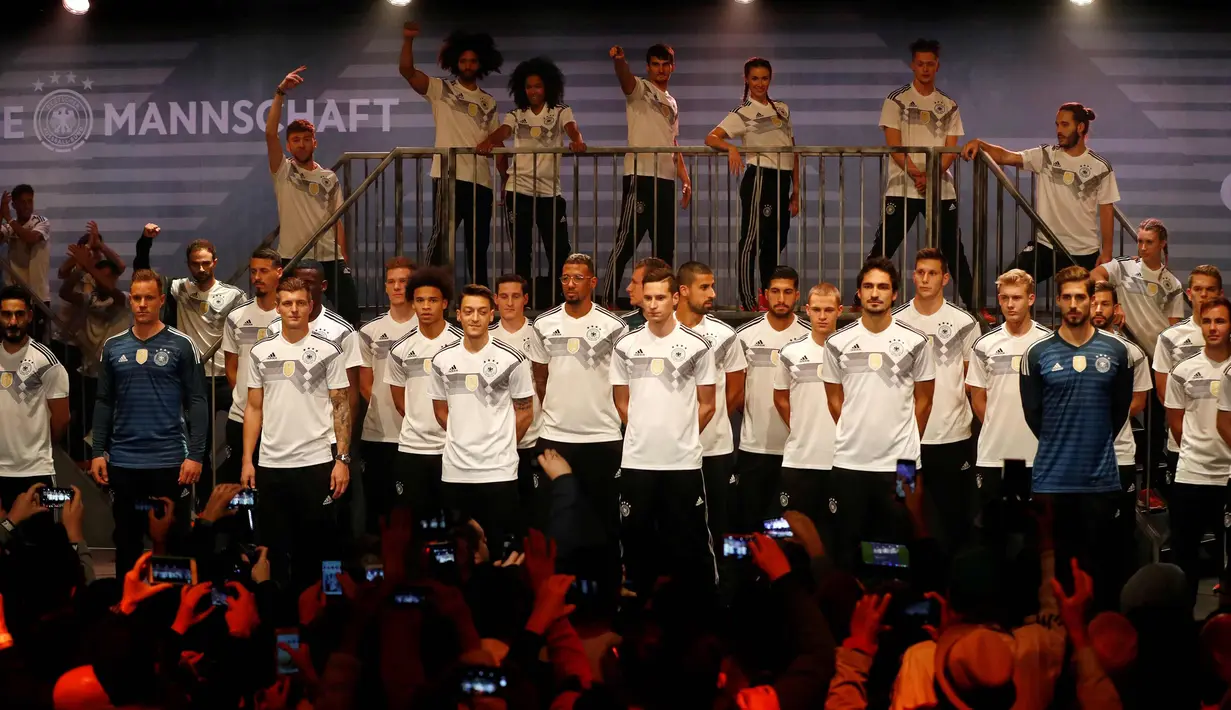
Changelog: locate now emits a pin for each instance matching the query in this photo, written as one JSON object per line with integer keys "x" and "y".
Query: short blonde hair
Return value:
{"x": 1206, "y": 270}
{"x": 824, "y": 289}
{"x": 1016, "y": 277}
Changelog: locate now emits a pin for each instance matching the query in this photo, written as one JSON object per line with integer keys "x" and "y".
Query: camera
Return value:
{"x": 54, "y": 497}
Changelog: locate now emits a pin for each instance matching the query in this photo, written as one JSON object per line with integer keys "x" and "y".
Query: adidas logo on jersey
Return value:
{"x": 248, "y": 322}
{"x": 803, "y": 359}
{"x": 453, "y": 369}
{"x": 855, "y": 347}
{"x": 556, "y": 331}
{"x": 639, "y": 353}
{"x": 272, "y": 356}
{"x": 123, "y": 358}
{"x": 1056, "y": 367}
{"x": 999, "y": 351}
{"x": 758, "y": 344}
{"x": 383, "y": 337}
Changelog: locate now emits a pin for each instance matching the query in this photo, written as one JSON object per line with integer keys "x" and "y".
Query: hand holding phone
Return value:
{"x": 244, "y": 499}
{"x": 172, "y": 570}
{"x": 905, "y": 478}
{"x": 483, "y": 680}
{"x": 885, "y": 554}
{"x": 331, "y": 583}
{"x": 54, "y": 497}
{"x": 441, "y": 553}
{"x": 290, "y": 639}
{"x": 778, "y": 528}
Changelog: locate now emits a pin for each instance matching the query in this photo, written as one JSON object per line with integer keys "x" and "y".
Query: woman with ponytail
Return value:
{"x": 769, "y": 191}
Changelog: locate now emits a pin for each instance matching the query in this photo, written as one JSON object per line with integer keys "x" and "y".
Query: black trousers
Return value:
{"x": 220, "y": 401}
{"x": 648, "y": 207}
{"x": 718, "y": 473}
{"x": 664, "y": 528}
{"x": 807, "y": 491}
{"x": 416, "y": 483}
{"x": 595, "y": 465}
{"x": 764, "y": 227}
{"x": 1196, "y": 510}
{"x": 1087, "y": 527}
{"x": 989, "y": 483}
{"x": 531, "y": 491}
{"x": 299, "y": 521}
{"x": 900, "y": 215}
{"x": 862, "y": 507}
{"x": 1153, "y": 455}
{"x": 759, "y": 485}
{"x": 549, "y": 215}
{"x": 82, "y": 391}
{"x": 951, "y": 489}
{"x": 13, "y": 486}
{"x": 129, "y": 485}
{"x": 494, "y": 506}
{"x": 380, "y": 489}
{"x": 342, "y": 292}
{"x": 1042, "y": 262}
{"x": 473, "y": 208}
{"x": 230, "y": 470}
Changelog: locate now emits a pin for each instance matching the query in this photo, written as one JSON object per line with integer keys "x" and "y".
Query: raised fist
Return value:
{"x": 617, "y": 52}
{"x": 410, "y": 30}
{"x": 151, "y": 230}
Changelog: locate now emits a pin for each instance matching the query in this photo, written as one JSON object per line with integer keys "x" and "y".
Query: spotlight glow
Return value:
{"x": 77, "y": 7}
{"x": 1082, "y": 3}
{"x": 399, "y": 3}
{"x": 744, "y": 2}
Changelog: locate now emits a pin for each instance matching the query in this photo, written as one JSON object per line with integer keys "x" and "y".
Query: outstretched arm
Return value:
{"x": 1001, "y": 156}
{"x": 273, "y": 145}
{"x": 406, "y": 62}
{"x": 628, "y": 82}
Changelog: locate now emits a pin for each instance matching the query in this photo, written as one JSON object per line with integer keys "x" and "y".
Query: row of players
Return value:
{"x": 661, "y": 388}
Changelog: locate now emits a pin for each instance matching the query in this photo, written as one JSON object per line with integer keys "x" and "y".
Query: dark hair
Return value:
{"x": 583, "y": 259}
{"x": 310, "y": 265}
{"x": 109, "y": 265}
{"x": 290, "y": 283}
{"x": 511, "y": 279}
{"x": 1081, "y": 114}
{"x": 1216, "y": 301}
{"x": 22, "y": 189}
{"x": 478, "y": 291}
{"x": 399, "y": 262}
{"x": 690, "y": 270}
{"x": 933, "y": 254}
{"x": 146, "y": 275}
{"x": 15, "y": 292}
{"x": 1071, "y": 274}
{"x": 459, "y": 42}
{"x": 651, "y": 263}
{"x": 300, "y": 125}
{"x": 267, "y": 253}
{"x": 927, "y": 46}
{"x": 761, "y": 63}
{"x": 660, "y": 51}
{"x": 782, "y": 272}
{"x": 880, "y": 263}
{"x": 1105, "y": 287}
{"x": 653, "y": 276}
{"x": 543, "y": 68}
{"x": 197, "y": 244}
{"x": 434, "y": 277}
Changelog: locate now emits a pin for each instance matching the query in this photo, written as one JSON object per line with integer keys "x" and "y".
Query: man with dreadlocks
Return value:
{"x": 464, "y": 115}
{"x": 770, "y": 185}
{"x": 540, "y": 121}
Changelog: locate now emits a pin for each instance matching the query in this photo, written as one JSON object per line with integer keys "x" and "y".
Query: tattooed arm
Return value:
{"x": 523, "y": 410}
{"x": 339, "y": 399}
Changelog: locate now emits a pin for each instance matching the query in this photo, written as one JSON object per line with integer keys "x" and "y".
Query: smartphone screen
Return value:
{"x": 374, "y": 573}
{"x": 735, "y": 546}
{"x": 145, "y": 504}
{"x": 435, "y": 523}
{"x": 1016, "y": 481}
{"x": 174, "y": 570}
{"x": 290, "y": 637}
{"x": 244, "y": 499}
{"x": 441, "y": 553}
{"x": 54, "y": 497}
{"x": 331, "y": 583}
{"x": 410, "y": 596}
{"x": 778, "y": 528}
{"x": 218, "y": 597}
{"x": 482, "y": 680}
{"x": 906, "y": 478}
{"x": 885, "y": 554}
{"x": 925, "y": 612}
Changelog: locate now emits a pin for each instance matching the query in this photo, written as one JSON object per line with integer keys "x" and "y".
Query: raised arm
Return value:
{"x": 628, "y": 82}
{"x": 1000, "y": 156}
{"x": 273, "y": 144}
{"x": 406, "y": 62}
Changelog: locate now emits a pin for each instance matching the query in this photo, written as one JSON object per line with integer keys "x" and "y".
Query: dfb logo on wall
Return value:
{"x": 63, "y": 119}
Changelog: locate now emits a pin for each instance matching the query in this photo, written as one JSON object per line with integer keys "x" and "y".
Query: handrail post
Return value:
{"x": 932, "y": 196}
{"x": 978, "y": 245}
{"x": 447, "y": 188}
{"x": 399, "y": 233}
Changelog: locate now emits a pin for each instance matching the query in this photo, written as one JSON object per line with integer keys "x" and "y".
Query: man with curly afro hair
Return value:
{"x": 464, "y": 115}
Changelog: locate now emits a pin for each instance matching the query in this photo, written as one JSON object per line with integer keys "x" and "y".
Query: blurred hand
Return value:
{"x": 410, "y": 30}
{"x": 6, "y": 199}
{"x": 577, "y": 146}
{"x": 1073, "y": 608}
{"x": 242, "y": 616}
{"x": 616, "y": 53}
{"x": 136, "y": 588}
{"x": 275, "y": 696}
{"x": 190, "y": 597}
{"x": 26, "y": 505}
{"x": 484, "y": 147}
{"x": 72, "y": 517}
{"x": 971, "y": 149}
{"x": 219, "y": 502}
{"x": 312, "y": 603}
{"x": 540, "y": 558}
{"x": 947, "y": 617}
{"x": 292, "y": 80}
{"x": 91, "y": 230}
{"x": 160, "y": 525}
{"x": 302, "y": 658}
{"x": 247, "y": 476}
{"x": 768, "y": 556}
{"x": 914, "y": 502}
{"x": 549, "y": 603}
{"x": 6, "y": 639}
{"x": 81, "y": 254}
{"x": 553, "y": 464}
{"x": 804, "y": 532}
{"x": 98, "y": 470}
{"x": 515, "y": 559}
{"x": 794, "y": 204}
{"x": 483, "y": 551}
{"x": 685, "y": 195}
{"x": 866, "y": 624}
{"x": 339, "y": 478}
{"x": 735, "y": 163}
{"x": 151, "y": 230}
{"x": 260, "y": 568}
{"x": 190, "y": 472}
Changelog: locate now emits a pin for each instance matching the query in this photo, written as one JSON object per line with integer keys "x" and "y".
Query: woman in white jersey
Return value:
{"x": 540, "y": 121}
{"x": 771, "y": 181}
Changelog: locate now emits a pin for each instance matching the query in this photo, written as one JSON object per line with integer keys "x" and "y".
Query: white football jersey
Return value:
{"x": 376, "y": 339}
{"x": 1068, "y": 194}
{"x": 202, "y": 315}
{"x": 246, "y": 325}
{"x": 951, "y": 333}
{"x": 306, "y": 198}
{"x": 28, "y": 379}
{"x": 924, "y": 121}
{"x": 763, "y": 126}
{"x": 653, "y": 120}
{"x": 762, "y": 430}
{"x": 1150, "y": 298}
{"x": 716, "y": 439}
{"x": 297, "y": 416}
{"x": 1125, "y": 444}
{"x": 520, "y": 341}
{"x": 537, "y": 174}
{"x": 1195, "y": 386}
{"x": 801, "y": 369}
{"x": 410, "y": 366}
{"x": 463, "y": 119}
{"x": 1176, "y": 344}
{"x": 995, "y": 366}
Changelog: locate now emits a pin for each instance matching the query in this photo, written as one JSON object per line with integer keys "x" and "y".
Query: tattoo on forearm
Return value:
{"x": 524, "y": 403}
{"x": 340, "y": 399}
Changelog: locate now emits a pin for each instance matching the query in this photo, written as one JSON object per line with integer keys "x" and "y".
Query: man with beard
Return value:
{"x": 879, "y": 378}
{"x": 571, "y": 359}
{"x": 697, "y": 296}
{"x": 307, "y": 195}
{"x": 150, "y": 385}
{"x": 464, "y": 115}
{"x": 28, "y": 237}
{"x": 198, "y": 305}
{"x": 763, "y": 433}
{"x": 247, "y": 323}
{"x": 1077, "y": 387}
{"x": 34, "y": 402}
{"x": 1076, "y": 193}
{"x": 1105, "y": 312}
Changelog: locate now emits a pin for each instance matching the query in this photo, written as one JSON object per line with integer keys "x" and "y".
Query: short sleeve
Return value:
{"x": 1162, "y": 355}
{"x": 733, "y": 125}
{"x": 1175, "y": 306}
{"x": 351, "y": 357}
{"x": 1176, "y": 398}
{"x": 435, "y": 88}
{"x": 230, "y": 343}
{"x": 924, "y": 367}
{"x": 1115, "y": 272}
{"x": 395, "y": 369}
{"x": 1142, "y": 381}
{"x": 1032, "y": 159}
{"x": 619, "y": 367}
{"x": 365, "y": 349}
{"x": 521, "y": 384}
{"x": 510, "y": 120}
{"x": 968, "y": 347}
{"x": 536, "y": 351}
{"x": 1224, "y": 391}
{"x": 255, "y": 382}
{"x": 704, "y": 373}
{"x": 436, "y": 388}
{"x": 832, "y": 370}
{"x": 1108, "y": 190}
{"x": 891, "y": 115}
{"x": 976, "y": 374}
{"x": 55, "y": 382}
{"x": 335, "y": 372}
{"x": 734, "y": 360}
{"x": 782, "y": 374}
{"x": 43, "y": 227}
{"x": 955, "y": 124}
{"x": 566, "y": 116}
{"x": 283, "y": 169}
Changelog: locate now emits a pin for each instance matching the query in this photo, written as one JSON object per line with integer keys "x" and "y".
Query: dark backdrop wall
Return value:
{"x": 177, "y": 114}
